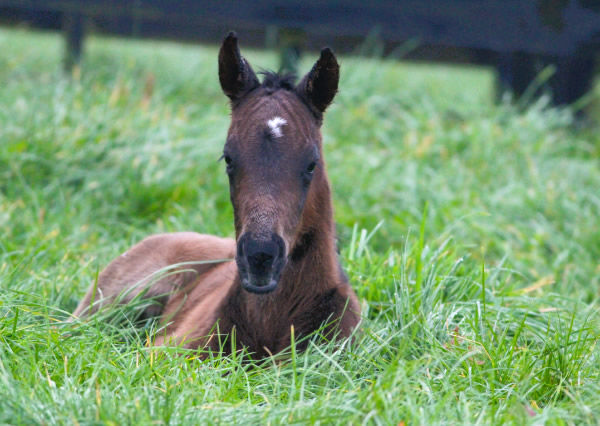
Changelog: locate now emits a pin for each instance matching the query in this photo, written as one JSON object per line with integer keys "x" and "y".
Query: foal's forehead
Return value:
{"x": 277, "y": 115}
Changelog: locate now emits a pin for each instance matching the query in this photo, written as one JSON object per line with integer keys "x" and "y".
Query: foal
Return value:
{"x": 286, "y": 274}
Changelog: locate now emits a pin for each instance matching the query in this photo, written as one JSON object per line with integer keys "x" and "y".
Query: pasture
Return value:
{"x": 470, "y": 232}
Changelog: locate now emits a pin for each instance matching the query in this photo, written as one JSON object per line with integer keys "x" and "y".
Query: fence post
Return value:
{"x": 73, "y": 29}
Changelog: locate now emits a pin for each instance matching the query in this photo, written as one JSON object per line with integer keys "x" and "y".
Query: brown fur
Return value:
{"x": 204, "y": 305}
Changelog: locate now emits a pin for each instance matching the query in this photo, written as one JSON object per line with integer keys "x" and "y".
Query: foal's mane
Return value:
{"x": 275, "y": 80}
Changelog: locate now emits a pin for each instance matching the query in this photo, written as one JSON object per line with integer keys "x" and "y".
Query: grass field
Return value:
{"x": 469, "y": 230}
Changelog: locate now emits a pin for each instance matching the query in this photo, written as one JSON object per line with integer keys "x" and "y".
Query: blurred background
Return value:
{"x": 517, "y": 39}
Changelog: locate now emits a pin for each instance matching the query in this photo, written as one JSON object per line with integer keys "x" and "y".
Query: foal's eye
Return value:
{"x": 311, "y": 167}
{"x": 228, "y": 162}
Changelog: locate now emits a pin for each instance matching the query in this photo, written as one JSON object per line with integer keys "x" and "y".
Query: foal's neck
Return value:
{"x": 312, "y": 289}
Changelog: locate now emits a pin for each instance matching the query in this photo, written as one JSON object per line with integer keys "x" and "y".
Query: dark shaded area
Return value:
{"x": 517, "y": 37}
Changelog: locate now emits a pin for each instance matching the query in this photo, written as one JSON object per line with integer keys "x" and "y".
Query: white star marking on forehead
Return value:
{"x": 275, "y": 124}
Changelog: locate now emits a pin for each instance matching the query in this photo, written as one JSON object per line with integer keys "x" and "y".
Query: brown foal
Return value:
{"x": 286, "y": 276}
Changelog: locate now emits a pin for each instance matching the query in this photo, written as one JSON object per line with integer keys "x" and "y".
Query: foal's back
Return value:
{"x": 159, "y": 267}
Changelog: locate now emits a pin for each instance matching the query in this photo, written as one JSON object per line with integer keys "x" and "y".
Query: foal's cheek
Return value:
{"x": 234, "y": 190}
{"x": 236, "y": 211}
{"x": 293, "y": 219}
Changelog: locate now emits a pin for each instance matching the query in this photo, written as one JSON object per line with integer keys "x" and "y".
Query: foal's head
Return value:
{"x": 274, "y": 160}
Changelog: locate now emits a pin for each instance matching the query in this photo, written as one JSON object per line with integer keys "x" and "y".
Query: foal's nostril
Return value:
{"x": 260, "y": 255}
{"x": 260, "y": 261}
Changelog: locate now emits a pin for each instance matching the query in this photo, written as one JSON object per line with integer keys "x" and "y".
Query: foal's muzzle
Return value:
{"x": 260, "y": 262}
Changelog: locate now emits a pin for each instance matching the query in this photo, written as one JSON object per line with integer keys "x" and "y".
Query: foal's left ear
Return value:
{"x": 235, "y": 73}
{"x": 320, "y": 85}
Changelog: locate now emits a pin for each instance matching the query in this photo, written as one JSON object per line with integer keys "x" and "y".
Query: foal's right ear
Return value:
{"x": 235, "y": 73}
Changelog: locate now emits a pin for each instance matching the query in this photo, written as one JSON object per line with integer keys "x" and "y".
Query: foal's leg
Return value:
{"x": 132, "y": 272}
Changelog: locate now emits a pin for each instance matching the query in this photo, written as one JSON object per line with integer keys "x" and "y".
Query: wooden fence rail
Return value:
{"x": 516, "y": 37}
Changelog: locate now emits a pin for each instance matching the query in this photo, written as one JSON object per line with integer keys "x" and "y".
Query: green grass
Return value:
{"x": 469, "y": 230}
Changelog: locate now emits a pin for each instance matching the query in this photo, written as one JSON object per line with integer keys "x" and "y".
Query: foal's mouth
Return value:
{"x": 258, "y": 287}
{"x": 258, "y": 283}
{"x": 260, "y": 263}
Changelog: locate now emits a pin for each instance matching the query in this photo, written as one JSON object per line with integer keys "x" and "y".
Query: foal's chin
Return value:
{"x": 259, "y": 284}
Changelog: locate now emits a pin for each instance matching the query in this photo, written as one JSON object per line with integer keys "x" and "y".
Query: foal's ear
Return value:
{"x": 235, "y": 73}
{"x": 320, "y": 85}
